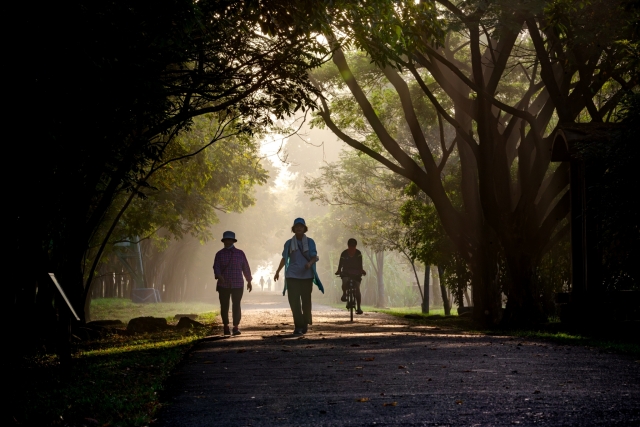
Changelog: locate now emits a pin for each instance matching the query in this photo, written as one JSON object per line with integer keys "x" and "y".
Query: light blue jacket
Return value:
{"x": 313, "y": 252}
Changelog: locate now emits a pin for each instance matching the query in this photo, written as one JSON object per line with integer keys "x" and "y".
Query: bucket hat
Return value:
{"x": 229, "y": 235}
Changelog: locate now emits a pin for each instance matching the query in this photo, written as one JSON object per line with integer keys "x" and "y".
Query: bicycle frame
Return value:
{"x": 351, "y": 297}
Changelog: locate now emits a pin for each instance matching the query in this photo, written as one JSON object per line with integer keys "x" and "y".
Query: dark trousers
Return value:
{"x": 299, "y": 293}
{"x": 236, "y": 295}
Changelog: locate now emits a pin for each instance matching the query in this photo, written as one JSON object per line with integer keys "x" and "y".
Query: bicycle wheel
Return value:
{"x": 352, "y": 303}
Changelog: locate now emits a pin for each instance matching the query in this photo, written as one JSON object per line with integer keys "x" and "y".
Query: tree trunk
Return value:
{"x": 443, "y": 290}
{"x": 380, "y": 274}
{"x": 427, "y": 286}
{"x": 437, "y": 295}
{"x": 523, "y": 303}
{"x": 460, "y": 296}
{"x": 485, "y": 289}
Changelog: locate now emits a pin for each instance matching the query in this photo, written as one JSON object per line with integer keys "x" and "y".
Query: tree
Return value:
{"x": 118, "y": 82}
{"x": 613, "y": 198}
{"x": 500, "y": 77}
{"x": 368, "y": 197}
{"x": 184, "y": 196}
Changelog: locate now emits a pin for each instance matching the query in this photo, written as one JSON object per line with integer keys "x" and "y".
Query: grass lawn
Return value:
{"x": 611, "y": 341}
{"x": 125, "y": 310}
{"x": 401, "y": 311}
{"x": 113, "y": 381}
{"x": 624, "y": 345}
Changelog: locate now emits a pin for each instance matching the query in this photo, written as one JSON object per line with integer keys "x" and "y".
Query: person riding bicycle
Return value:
{"x": 350, "y": 268}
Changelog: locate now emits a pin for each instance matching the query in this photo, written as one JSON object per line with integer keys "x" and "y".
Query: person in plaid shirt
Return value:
{"x": 229, "y": 265}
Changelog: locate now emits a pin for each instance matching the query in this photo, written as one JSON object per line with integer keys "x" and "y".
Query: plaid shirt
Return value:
{"x": 231, "y": 264}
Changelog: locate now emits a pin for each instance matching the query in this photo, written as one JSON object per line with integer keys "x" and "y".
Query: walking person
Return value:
{"x": 262, "y": 283}
{"x": 299, "y": 259}
{"x": 269, "y": 284}
{"x": 229, "y": 265}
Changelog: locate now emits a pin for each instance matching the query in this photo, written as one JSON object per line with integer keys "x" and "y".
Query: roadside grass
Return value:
{"x": 607, "y": 341}
{"x": 125, "y": 310}
{"x": 112, "y": 381}
{"x": 618, "y": 345}
{"x": 401, "y": 311}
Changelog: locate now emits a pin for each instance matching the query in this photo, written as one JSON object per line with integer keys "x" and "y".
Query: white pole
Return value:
{"x": 53, "y": 277}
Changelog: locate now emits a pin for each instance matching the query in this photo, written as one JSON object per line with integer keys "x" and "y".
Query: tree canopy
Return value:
{"x": 500, "y": 77}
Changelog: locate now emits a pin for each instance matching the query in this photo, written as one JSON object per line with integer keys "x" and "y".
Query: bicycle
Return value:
{"x": 351, "y": 297}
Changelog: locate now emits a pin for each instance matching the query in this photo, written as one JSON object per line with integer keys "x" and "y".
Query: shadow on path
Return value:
{"x": 382, "y": 370}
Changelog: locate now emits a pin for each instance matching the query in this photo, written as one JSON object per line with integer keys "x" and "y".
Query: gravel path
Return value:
{"x": 385, "y": 371}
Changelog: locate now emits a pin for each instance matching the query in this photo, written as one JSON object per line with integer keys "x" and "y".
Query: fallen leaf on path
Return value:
{"x": 358, "y": 367}
{"x": 428, "y": 379}
{"x": 458, "y": 402}
{"x": 390, "y": 404}
{"x": 242, "y": 350}
{"x": 381, "y": 394}
{"x": 536, "y": 392}
{"x": 402, "y": 367}
{"x": 368, "y": 359}
{"x": 287, "y": 350}
{"x": 466, "y": 371}
{"x": 362, "y": 399}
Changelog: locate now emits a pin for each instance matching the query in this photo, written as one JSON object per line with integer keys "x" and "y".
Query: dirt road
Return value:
{"x": 384, "y": 371}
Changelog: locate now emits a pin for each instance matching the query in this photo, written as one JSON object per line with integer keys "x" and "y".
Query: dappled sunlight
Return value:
{"x": 140, "y": 346}
{"x": 125, "y": 310}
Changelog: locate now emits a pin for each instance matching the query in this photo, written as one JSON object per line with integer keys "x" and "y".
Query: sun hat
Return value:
{"x": 299, "y": 221}
{"x": 229, "y": 235}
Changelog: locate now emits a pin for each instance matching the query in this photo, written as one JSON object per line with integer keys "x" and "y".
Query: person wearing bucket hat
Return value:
{"x": 299, "y": 259}
{"x": 229, "y": 265}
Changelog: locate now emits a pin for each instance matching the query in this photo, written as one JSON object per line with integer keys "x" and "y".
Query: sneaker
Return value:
{"x": 304, "y": 330}
{"x": 358, "y": 311}
{"x": 227, "y": 331}
{"x": 236, "y": 331}
{"x": 343, "y": 298}
{"x": 297, "y": 331}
